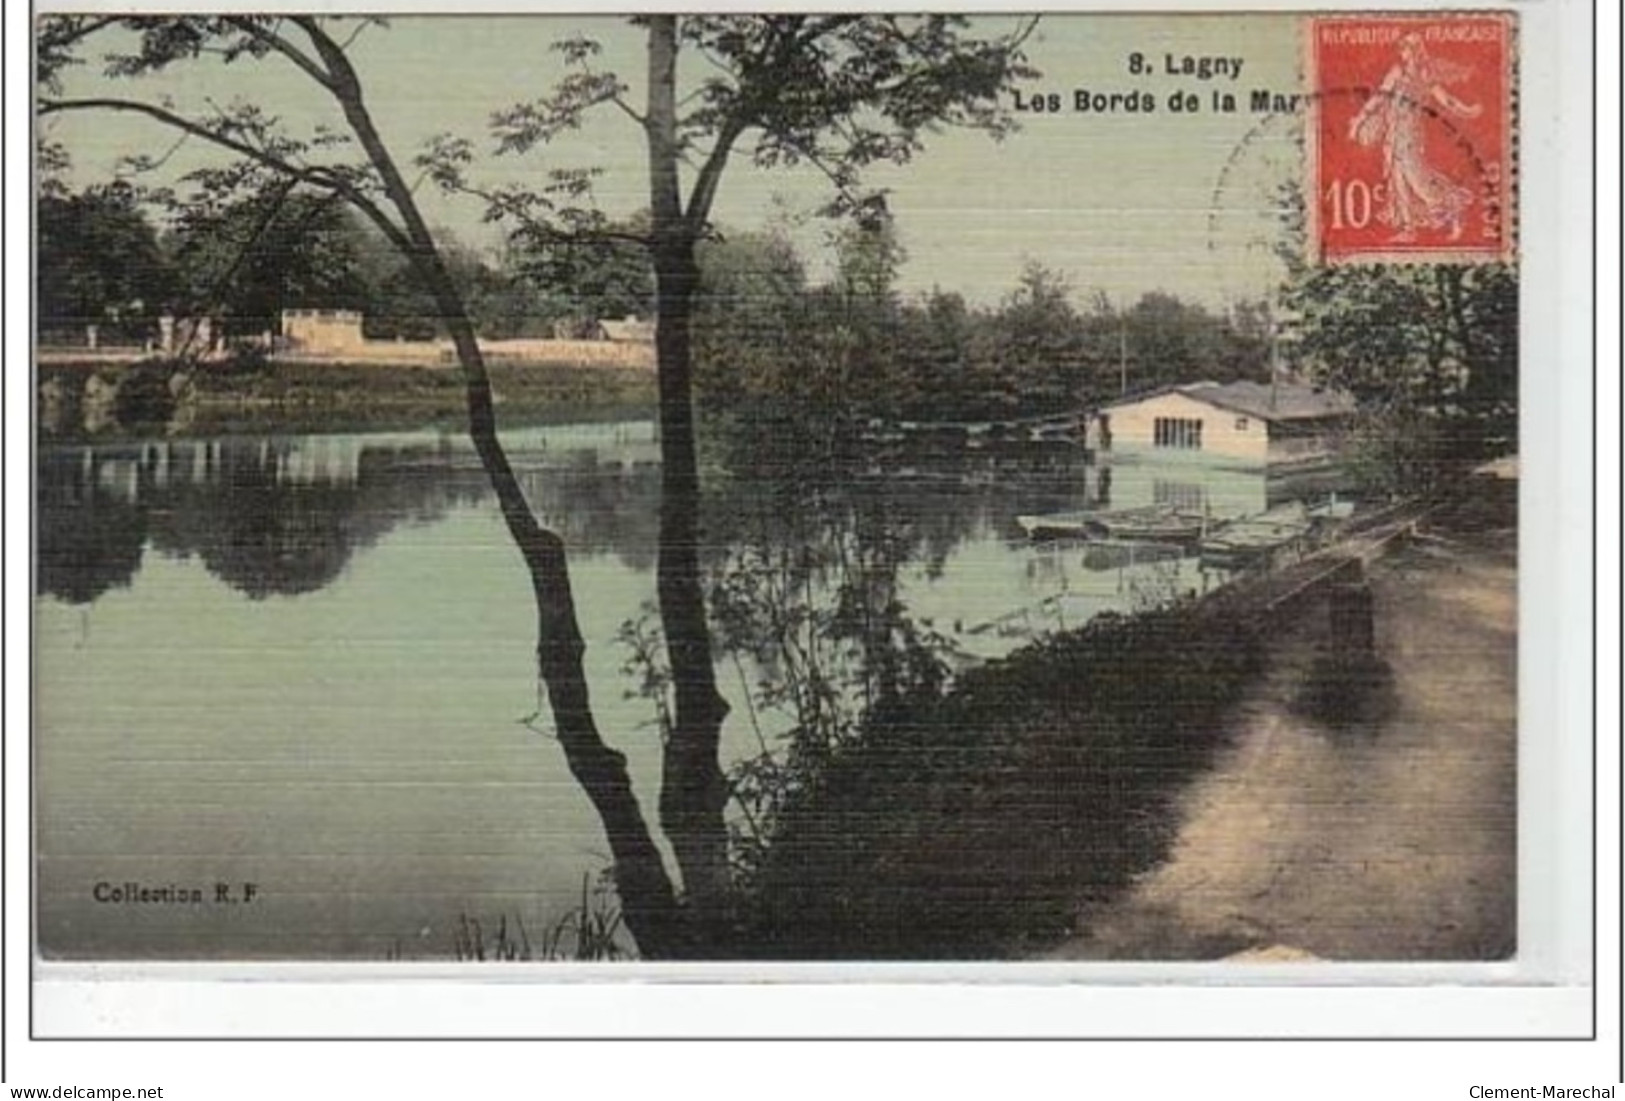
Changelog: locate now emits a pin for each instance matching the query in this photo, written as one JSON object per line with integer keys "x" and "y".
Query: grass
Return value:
{"x": 263, "y": 396}
{"x": 591, "y": 931}
{"x": 471, "y": 945}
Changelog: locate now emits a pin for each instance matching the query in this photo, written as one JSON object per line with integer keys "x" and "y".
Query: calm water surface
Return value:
{"x": 307, "y": 663}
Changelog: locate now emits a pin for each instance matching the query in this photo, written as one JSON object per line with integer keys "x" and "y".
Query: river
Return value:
{"x": 306, "y": 663}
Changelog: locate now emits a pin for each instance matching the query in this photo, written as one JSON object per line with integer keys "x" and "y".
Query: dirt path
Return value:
{"x": 1395, "y": 840}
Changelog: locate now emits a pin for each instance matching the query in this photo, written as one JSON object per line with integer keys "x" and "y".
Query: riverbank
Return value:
{"x": 1392, "y": 836}
{"x": 81, "y": 400}
{"x": 971, "y": 828}
{"x": 1158, "y": 786}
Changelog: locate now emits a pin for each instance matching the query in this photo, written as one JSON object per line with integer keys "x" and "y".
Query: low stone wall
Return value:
{"x": 402, "y": 353}
{"x": 411, "y": 353}
{"x": 425, "y": 353}
{"x": 90, "y": 356}
{"x": 587, "y": 353}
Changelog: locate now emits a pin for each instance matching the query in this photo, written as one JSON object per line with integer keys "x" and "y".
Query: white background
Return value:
{"x": 1556, "y": 663}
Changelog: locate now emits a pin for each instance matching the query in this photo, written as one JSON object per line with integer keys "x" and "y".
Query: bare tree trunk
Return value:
{"x": 693, "y": 792}
{"x": 648, "y": 901}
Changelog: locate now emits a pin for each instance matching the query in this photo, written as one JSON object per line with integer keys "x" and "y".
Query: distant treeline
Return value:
{"x": 1430, "y": 352}
{"x": 105, "y": 260}
{"x": 765, "y": 331}
{"x": 854, "y": 343}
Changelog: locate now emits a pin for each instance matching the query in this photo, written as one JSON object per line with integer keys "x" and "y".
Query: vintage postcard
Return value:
{"x": 530, "y": 489}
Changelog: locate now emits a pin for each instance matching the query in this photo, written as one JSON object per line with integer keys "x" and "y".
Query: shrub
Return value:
{"x": 980, "y": 822}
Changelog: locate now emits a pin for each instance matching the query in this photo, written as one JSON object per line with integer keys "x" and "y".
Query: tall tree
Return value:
{"x": 1441, "y": 338}
{"x": 398, "y": 305}
{"x": 99, "y": 260}
{"x": 748, "y": 319}
{"x": 838, "y": 92}
{"x": 860, "y": 333}
{"x": 262, "y": 154}
{"x": 588, "y": 280}
{"x": 1434, "y": 344}
{"x": 1039, "y": 342}
{"x": 935, "y": 346}
{"x": 247, "y": 259}
{"x": 1172, "y": 341}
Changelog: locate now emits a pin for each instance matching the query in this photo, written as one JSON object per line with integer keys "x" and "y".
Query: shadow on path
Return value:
{"x": 1390, "y": 838}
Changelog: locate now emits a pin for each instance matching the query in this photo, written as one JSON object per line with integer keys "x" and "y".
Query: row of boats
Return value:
{"x": 1225, "y": 542}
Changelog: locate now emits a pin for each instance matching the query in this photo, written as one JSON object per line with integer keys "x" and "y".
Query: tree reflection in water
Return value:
{"x": 810, "y": 563}
{"x": 90, "y": 540}
{"x": 265, "y": 517}
{"x": 282, "y": 517}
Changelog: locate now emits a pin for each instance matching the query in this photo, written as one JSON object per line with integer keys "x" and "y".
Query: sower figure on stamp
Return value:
{"x": 1418, "y": 195}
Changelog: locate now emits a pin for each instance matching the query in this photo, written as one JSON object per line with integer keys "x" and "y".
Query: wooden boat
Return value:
{"x": 1157, "y": 524}
{"x": 1332, "y": 508}
{"x": 1058, "y": 525}
{"x": 1110, "y": 554}
{"x": 1154, "y": 524}
{"x": 1254, "y": 539}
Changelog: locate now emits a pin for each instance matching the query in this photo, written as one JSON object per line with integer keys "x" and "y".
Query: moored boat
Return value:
{"x": 1152, "y": 524}
{"x": 1110, "y": 554}
{"x": 1157, "y": 524}
{"x": 1058, "y": 525}
{"x": 1256, "y": 539}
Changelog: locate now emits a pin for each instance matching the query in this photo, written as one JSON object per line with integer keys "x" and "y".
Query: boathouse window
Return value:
{"x": 1184, "y": 496}
{"x": 1241, "y": 424}
{"x": 1177, "y": 432}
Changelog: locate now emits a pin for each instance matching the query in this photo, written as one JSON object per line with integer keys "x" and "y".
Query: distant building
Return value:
{"x": 1251, "y": 422}
{"x": 335, "y": 336}
{"x": 188, "y": 335}
{"x": 628, "y": 330}
{"x": 310, "y": 332}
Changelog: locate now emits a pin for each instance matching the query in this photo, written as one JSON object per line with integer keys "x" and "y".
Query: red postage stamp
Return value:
{"x": 1411, "y": 141}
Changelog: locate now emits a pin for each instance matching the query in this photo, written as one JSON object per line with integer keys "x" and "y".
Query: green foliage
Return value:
{"x": 805, "y": 607}
{"x": 245, "y": 260}
{"x": 1171, "y": 341}
{"x": 593, "y": 930}
{"x": 938, "y": 361}
{"x": 1395, "y": 449}
{"x": 470, "y": 945}
{"x": 968, "y": 828}
{"x": 867, "y": 257}
{"x": 99, "y": 262}
{"x": 1033, "y": 348}
{"x": 842, "y": 92}
{"x": 750, "y": 317}
{"x": 578, "y": 281}
{"x": 1430, "y": 351}
{"x": 854, "y": 349}
{"x": 839, "y": 92}
{"x": 1432, "y": 334}
{"x": 646, "y": 665}
{"x": 397, "y": 305}
{"x": 846, "y": 355}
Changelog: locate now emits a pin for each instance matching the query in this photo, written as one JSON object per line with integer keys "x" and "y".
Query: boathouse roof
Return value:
{"x": 1279, "y": 402}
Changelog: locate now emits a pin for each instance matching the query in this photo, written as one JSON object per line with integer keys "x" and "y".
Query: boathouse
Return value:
{"x": 1253, "y": 423}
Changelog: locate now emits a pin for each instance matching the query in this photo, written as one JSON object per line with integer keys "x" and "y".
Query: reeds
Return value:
{"x": 592, "y": 931}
